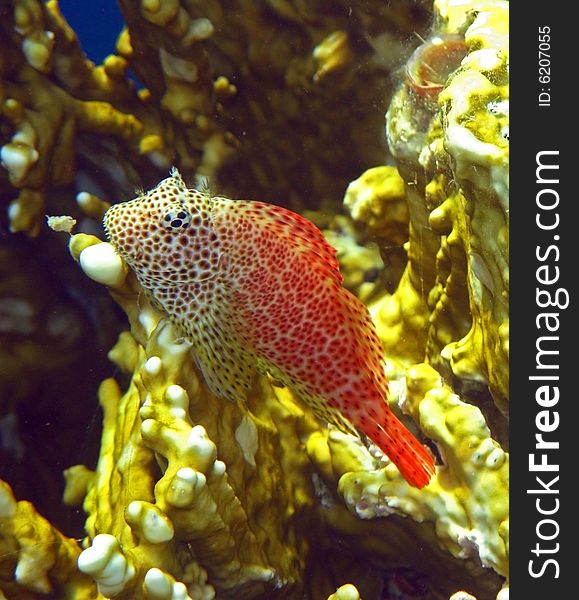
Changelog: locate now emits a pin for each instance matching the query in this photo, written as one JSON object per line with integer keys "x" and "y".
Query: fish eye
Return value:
{"x": 176, "y": 219}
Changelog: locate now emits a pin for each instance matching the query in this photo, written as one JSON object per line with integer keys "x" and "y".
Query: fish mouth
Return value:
{"x": 106, "y": 222}
{"x": 105, "y": 226}
{"x": 109, "y": 230}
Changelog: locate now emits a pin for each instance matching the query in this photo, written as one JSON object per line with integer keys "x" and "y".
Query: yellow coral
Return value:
{"x": 200, "y": 498}
{"x": 345, "y": 592}
{"x": 197, "y": 497}
{"x": 467, "y": 499}
{"x": 378, "y": 199}
{"x": 194, "y": 497}
{"x": 334, "y": 53}
{"x": 52, "y": 97}
{"x": 457, "y": 274}
{"x": 35, "y": 558}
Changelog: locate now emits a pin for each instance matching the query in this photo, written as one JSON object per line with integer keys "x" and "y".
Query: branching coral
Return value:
{"x": 55, "y": 104}
{"x": 196, "y": 497}
{"x": 220, "y": 81}
{"x": 204, "y": 509}
{"x": 236, "y": 503}
{"x": 455, "y": 160}
{"x": 451, "y": 306}
{"x": 35, "y": 558}
{"x": 469, "y": 499}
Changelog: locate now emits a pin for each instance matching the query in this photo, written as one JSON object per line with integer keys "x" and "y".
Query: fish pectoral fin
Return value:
{"x": 322, "y": 410}
{"x": 274, "y": 375}
{"x": 334, "y": 417}
{"x": 227, "y": 370}
{"x": 276, "y": 382}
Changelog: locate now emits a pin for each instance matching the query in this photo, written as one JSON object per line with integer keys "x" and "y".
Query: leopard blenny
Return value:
{"x": 255, "y": 286}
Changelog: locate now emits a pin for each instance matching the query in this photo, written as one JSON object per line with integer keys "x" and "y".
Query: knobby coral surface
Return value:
{"x": 454, "y": 157}
{"x": 195, "y": 497}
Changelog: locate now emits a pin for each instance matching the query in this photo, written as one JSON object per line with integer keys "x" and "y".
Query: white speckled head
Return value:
{"x": 164, "y": 234}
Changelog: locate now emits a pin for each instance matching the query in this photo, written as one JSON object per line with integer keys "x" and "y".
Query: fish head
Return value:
{"x": 165, "y": 234}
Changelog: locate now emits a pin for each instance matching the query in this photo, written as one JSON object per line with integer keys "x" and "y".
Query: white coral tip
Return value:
{"x": 101, "y": 263}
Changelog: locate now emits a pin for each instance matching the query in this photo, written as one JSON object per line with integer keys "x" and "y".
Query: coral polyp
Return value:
{"x": 432, "y": 63}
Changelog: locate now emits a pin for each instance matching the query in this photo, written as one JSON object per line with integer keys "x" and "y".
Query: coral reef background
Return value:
{"x": 176, "y": 491}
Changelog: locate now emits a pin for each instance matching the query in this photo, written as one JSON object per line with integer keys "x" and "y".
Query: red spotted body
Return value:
{"x": 256, "y": 286}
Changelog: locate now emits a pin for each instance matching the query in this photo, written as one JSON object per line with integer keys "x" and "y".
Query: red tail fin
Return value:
{"x": 402, "y": 448}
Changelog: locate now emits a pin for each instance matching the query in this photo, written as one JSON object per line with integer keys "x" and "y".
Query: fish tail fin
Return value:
{"x": 413, "y": 460}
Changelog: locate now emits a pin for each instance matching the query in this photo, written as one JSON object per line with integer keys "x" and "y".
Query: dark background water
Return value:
{"x": 97, "y": 25}
{"x": 53, "y": 418}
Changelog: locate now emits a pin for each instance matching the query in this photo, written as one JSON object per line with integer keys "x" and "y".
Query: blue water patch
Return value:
{"x": 97, "y": 25}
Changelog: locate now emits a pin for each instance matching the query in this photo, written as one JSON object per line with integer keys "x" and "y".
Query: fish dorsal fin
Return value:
{"x": 286, "y": 226}
{"x": 301, "y": 233}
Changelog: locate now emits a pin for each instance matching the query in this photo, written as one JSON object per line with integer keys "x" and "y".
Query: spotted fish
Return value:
{"x": 255, "y": 286}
